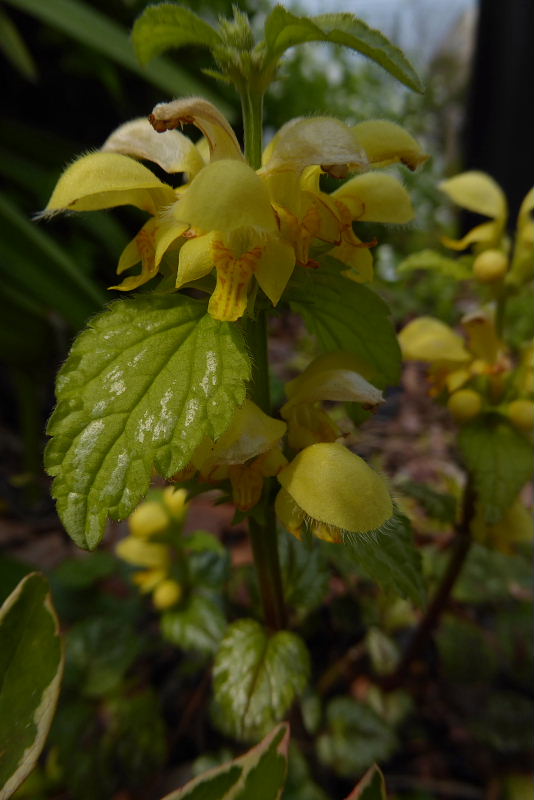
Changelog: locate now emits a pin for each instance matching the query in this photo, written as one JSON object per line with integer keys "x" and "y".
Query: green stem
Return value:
{"x": 263, "y": 536}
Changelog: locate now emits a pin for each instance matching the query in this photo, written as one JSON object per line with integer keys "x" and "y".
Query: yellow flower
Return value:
{"x": 331, "y": 491}
{"x": 228, "y": 215}
{"x": 332, "y": 377}
{"x": 478, "y": 192}
{"x": 292, "y": 166}
{"x": 246, "y": 454}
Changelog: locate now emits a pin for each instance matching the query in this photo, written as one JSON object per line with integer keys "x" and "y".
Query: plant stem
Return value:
{"x": 429, "y": 621}
{"x": 263, "y": 536}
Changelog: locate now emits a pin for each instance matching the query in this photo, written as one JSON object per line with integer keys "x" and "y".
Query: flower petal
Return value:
{"x": 428, "y": 339}
{"x": 336, "y": 487}
{"x": 251, "y": 433}
{"x": 477, "y": 191}
{"x": 274, "y": 268}
{"x": 104, "y": 180}
{"x": 335, "y": 385}
{"x": 224, "y": 196}
{"x": 383, "y": 197}
{"x": 205, "y": 116}
{"x": 196, "y": 259}
{"x": 171, "y": 150}
{"x": 386, "y": 143}
{"x": 487, "y": 233}
{"x": 323, "y": 141}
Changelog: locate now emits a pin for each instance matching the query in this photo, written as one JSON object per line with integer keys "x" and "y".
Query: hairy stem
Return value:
{"x": 263, "y": 535}
{"x": 429, "y": 621}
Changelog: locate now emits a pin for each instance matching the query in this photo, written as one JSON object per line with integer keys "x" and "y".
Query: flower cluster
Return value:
{"x": 242, "y": 226}
{"x": 155, "y": 530}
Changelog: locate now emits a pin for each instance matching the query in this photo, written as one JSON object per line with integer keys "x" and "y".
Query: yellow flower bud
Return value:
{"x": 148, "y": 519}
{"x": 490, "y": 266}
{"x": 167, "y": 594}
{"x": 333, "y": 490}
{"x": 143, "y": 554}
{"x": 176, "y": 501}
{"x": 521, "y": 414}
{"x": 465, "y": 404}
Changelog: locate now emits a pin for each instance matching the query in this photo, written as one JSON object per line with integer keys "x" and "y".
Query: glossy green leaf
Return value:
{"x": 355, "y": 737}
{"x": 142, "y": 386}
{"x": 284, "y": 30}
{"x": 499, "y": 460}
{"x": 14, "y": 48}
{"x": 345, "y": 315}
{"x": 169, "y": 25}
{"x": 257, "y": 677}
{"x": 198, "y": 624}
{"x": 390, "y": 558}
{"x": 92, "y": 28}
{"x": 371, "y": 787}
{"x": 31, "y": 664}
{"x": 457, "y": 268}
{"x": 259, "y": 774}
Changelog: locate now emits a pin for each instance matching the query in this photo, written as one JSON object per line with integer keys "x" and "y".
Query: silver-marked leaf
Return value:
{"x": 31, "y": 665}
{"x": 142, "y": 386}
{"x": 168, "y": 25}
{"x": 500, "y": 461}
{"x": 284, "y": 30}
{"x": 197, "y": 625}
{"x": 256, "y": 678}
{"x": 348, "y": 316}
{"x": 259, "y": 774}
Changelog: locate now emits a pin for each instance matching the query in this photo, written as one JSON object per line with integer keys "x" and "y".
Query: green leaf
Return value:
{"x": 355, "y": 737}
{"x": 14, "y": 48}
{"x": 100, "y": 651}
{"x": 371, "y": 787}
{"x": 304, "y": 573}
{"x": 390, "y": 558}
{"x": 257, "y": 677}
{"x": 284, "y": 30}
{"x": 345, "y": 315}
{"x": 31, "y": 665}
{"x": 142, "y": 387}
{"x": 81, "y": 573}
{"x": 259, "y": 774}
{"x": 167, "y": 25}
{"x": 94, "y": 29}
{"x": 457, "y": 268}
{"x": 199, "y": 625}
{"x": 438, "y": 505}
{"x": 499, "y": 460}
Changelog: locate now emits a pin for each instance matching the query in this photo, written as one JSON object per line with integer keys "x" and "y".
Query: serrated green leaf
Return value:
{"x": 457, "y": 268}
{"x": 259, "y": 774}
{"x": 390, "y": 558}
{"x": 345, "y": 315}
{"x": 31, "y": 665}
{"x": 257, "y": 677}
{"x": 142, "y": 386}
{"x": 355, "y": 737}
{"x": 304, "y": 574}
{"x": 198, "y": 625}
{"x": 499, "y": 460}
{"x": 167, "y": 25}
{"x": 371, "y": 787}
{"x": 284, "y": 30}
